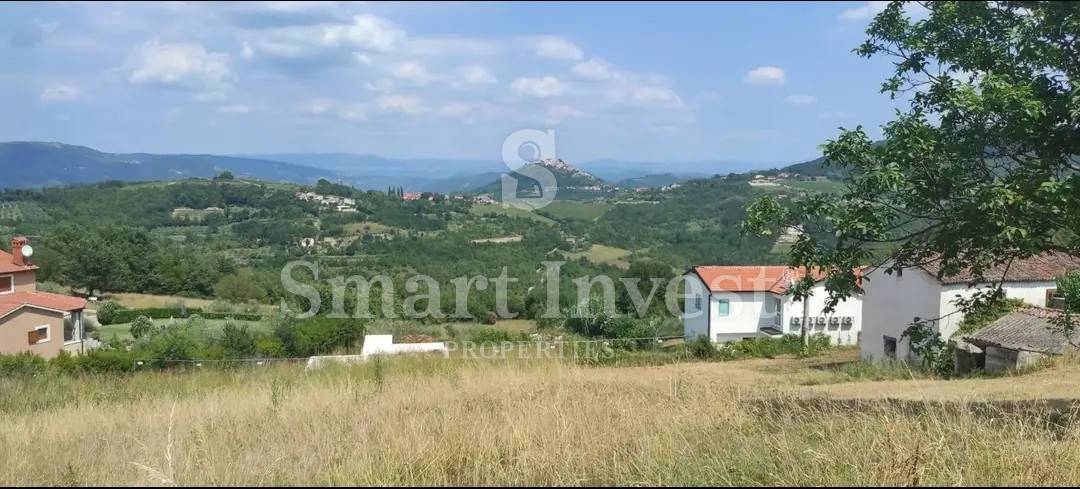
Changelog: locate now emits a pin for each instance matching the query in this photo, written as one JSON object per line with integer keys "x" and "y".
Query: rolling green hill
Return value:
{"x": 38, "y": 164}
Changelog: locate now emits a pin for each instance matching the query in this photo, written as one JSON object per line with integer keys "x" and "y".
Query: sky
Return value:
{"x": 665, "y": 82}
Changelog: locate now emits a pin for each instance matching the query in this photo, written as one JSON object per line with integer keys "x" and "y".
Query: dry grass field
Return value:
{"x": 429, "y": 421}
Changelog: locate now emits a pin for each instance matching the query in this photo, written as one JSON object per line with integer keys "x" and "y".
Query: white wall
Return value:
{"x": 746, "y": 315}
{"x": 840, "y": 334}
{"x": 1033, "y": 293}
{"x": 890, "y": 304}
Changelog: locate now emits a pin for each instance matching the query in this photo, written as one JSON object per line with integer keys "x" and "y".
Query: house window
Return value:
{"x": 697, "y": 303}
{"x": 890, "y": 347}
{"x": 38, "y": 335}
{"x": 69, "y": 328}
{"x": 1053, "y": 300}
{"x": 723, "y": 307}
{"x": 7, "y": 284}
{"x": 778, "y": 309}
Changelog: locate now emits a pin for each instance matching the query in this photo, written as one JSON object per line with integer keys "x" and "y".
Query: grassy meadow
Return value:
{"x": 428, "y": 421}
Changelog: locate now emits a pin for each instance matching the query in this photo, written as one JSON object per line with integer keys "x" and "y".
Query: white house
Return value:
{"x": 891, "y": 303}
{"x": 728, "y": 303}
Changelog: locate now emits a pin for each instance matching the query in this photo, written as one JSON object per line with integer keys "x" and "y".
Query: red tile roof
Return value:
{"x": 1041, "y": 268}
{"x": 10, "y": 303}
{"x": 754, "y": 278}
{"x": 7, "y": 264}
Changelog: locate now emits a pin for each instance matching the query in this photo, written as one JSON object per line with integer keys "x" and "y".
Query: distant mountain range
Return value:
{"x": 37, "y": 164}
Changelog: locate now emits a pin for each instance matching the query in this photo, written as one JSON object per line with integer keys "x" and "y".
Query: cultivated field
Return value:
{"x": 428, "y": 421}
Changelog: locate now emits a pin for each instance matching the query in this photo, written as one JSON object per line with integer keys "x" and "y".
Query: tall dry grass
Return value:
{"x": 433, "y": 422}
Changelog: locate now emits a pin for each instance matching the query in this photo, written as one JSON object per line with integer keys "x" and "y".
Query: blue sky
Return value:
{"x": 649, "y": 82}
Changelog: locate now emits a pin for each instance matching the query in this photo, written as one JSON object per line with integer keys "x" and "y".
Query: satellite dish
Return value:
{"x": 28, "y": 251}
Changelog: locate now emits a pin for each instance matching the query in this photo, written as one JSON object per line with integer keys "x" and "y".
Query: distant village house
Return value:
{"x": 730, "y": 303}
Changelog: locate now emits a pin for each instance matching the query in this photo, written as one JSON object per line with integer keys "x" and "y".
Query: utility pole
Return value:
{"x": 805, "y": 318}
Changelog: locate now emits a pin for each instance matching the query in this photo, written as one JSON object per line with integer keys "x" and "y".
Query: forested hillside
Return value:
{"x": 184, "y": 237}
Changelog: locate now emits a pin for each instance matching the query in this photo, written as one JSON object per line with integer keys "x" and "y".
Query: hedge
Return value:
{"x": 128, "y": 315}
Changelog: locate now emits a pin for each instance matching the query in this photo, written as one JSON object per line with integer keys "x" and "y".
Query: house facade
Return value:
{"x": 32, "y": 321}
{"x": 730, "y": 303}
{"x": 893, "y": 302}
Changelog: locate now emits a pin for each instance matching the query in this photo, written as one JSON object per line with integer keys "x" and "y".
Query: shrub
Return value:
{"x": 174, "y": 344}
{"x": 269, "y": 347}
{"x": 588, "y": 317}
{"x": 21, "y": 364}
{"x": 702, "y": 348}
{"x": 141, "y": 327}
{"x": 108, "y": 311}
{"x": 936, "y": 354}
{"x": 490, "y": 335}
{"x": 237, "y": 342}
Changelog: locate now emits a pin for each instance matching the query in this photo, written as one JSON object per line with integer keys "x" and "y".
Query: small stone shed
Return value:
{"x": 1017, "y": 340}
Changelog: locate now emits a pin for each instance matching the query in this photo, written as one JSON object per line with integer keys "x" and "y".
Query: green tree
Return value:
{"x": 237, "y": 341}
{"x": 224, "y": 176}
{"x": 242, "y": 286}
{"x": 982, "y": 167}
{"x": 142, "y": 327}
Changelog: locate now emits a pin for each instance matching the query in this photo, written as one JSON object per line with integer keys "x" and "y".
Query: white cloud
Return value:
{"x": 212, "y": 96}
{"x": 60, "y": 93}
{"x": 656, "y": 95}
{"x": 547, "y": 86}
{"x": 353, "y": 113}
{"x": 801, "y": 99}
{"x": 381, "y": 85}
{"x": 869, "y": 10}
{"x": 477, "y": 75}
{"x": 177, "y": 64}
{"x": 246, "y": 51}
{"x": 401, "y": 104}
{"x": 412, "y": 71}
{"x": 469, "y": 112}
{"x": 557, "y": 48}
{"x": 560, "y": 113}
{"x": 595, "y": 69}
{"x": 766, "y": 75}
{"x": 234, "y": 109}
{"x": 366, "y": 32}
{"x": 317, "y": 106}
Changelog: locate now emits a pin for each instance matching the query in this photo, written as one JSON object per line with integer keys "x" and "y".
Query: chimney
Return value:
{"x": 17, "y": 244}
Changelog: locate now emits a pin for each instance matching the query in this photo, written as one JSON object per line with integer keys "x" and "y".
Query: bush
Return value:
{"x": 174, "y": 344}
{"x": 490, "y": 335}
{"x": 21, "y": 364}
{"x": 269, "y": 347}
{"x": 702, "y": 348}
{"x": 767, "y": 347}
{"x": 141, "y": 327}
{"x": 237, "y": 342}
{"x": 108, "y": 311}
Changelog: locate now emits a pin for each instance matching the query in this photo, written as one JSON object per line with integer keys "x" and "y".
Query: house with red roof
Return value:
{"x": 893, "y": 302}
{"x": 730, "y": 303}
{"x": 30, "y": 320}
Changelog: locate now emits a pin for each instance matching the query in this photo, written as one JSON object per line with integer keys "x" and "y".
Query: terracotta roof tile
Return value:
{"x": 7, "y": 264}
{"x": 753, "y": 278}
{"x": 1041, "y": 268}
{"x": 12, "y": 302}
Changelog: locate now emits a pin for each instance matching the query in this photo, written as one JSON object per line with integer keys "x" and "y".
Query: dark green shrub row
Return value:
{"x": 95, "y": 362}
{"x": 128, "y": 315}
